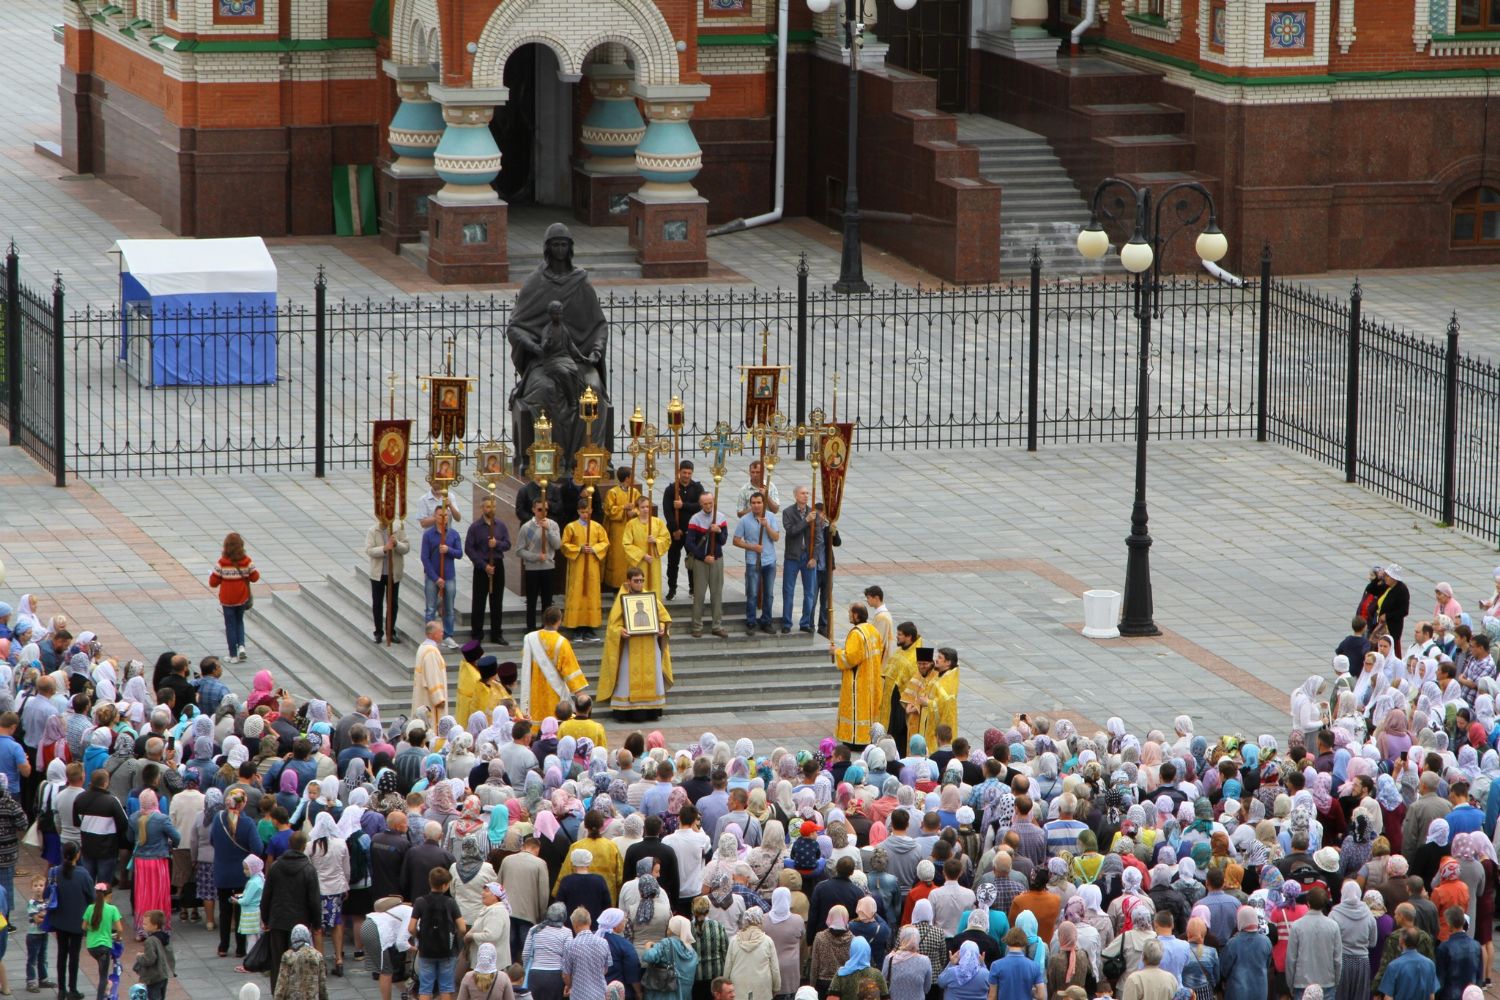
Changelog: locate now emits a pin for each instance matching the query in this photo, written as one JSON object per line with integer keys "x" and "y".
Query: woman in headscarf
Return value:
{"x": 387, "y": 798}
{"x": 490, "y": 927}
{"x": 544, "y": 952}
{"x": 330, "y": 859}
{"x": 303, "y": 973}
{"x": 484, "y": 981}
{"x": 1449, "y": 891}
{"x": 261, "y": 692}
{"x": 1384, "y": 925}
{"x": 1066, "y": 966}
{"x": 1246, "y": 959}
{"x": 647, "y": 909}
{"x": 1357, "y": 930}
{"x": 554, "y": 841}
{"x": 153, "y": 836}
{"x": 1392, "y": 810}
{"x": 868, "y": 924}
{"x": 751, "y": 962}
{"x": 676, "y": 951}
{"x": 786, "y": 931}
{"x": 855, "y": 973}
{"x": 1426, "y": 858}
{"x": 964, "y": 979}
{"x": 471, "y": 873}
{"x": 57, "y": 780}
{"x": 201, "y": 851}
{"x": 765, "y": 859}
{"x": 830, "y": 948}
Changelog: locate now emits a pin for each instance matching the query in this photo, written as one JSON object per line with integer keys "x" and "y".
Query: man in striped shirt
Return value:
{"x": 586, "y": 960}
{"x": 1062, "y": 833}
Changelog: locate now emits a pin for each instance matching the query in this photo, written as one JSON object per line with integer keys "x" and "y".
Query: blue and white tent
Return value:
{"x": 198, "y": 312}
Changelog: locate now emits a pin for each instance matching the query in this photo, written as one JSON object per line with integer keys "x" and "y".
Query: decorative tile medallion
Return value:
{"x": 476, "y": 232}
{"x": 1218, "y": 31}
{"x": 1287, "y": 31}
{"x": 239, "y": 8}
{"x": 674, "y": 231}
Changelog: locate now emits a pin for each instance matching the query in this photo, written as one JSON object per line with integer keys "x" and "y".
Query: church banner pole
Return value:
{"x": 833, "y": 419}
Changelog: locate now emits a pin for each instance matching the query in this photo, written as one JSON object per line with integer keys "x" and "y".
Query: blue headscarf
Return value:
{"x": 859, "y": 956}
{"x": 1035, "y": 949}
{"x": 968, "y": 965}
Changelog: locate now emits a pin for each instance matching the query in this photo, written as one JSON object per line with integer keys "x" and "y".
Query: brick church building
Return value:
{"x": 1349, "y": 133}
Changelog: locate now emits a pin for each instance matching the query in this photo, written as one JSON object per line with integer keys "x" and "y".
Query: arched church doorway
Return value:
{"x": 534, "y": 129}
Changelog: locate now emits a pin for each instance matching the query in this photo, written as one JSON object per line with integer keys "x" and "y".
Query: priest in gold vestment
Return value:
{"x": 585, "y": 544}
{"x": 645, "y": 542}
{"x": 619, "y": 511}
{"x": 636, "y": 670}
{"x": 859, "y": 688}
{"x": 549, "y": 670}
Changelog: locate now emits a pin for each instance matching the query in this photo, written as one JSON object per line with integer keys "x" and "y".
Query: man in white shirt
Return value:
{"x": 691, "y": 845}
{"x": 427, "y": 508}
{"x": 758, "y": 484}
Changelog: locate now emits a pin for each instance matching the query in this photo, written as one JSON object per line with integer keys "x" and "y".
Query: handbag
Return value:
{"x": 259, "y": 958}
{"x": 659, "y": 978}
{"x": 33, "y": 836}
{"x": 1114, "y": 965}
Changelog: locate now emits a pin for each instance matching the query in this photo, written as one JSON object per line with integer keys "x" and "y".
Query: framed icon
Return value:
{"x": 590, "y": 465}
{"x": 443, "y": 469}
{"x": 490, "y": 462}
{"x": 544, "y": 463}
{"x": 640, "y": 615}
{"x": 762, "y": 393}
{"x": 765, "y": 387}
{"x": 390, "y": 445}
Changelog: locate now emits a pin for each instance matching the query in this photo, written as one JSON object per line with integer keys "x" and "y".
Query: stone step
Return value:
{"x": 317, "y": 642}
{"x": 1126, "y": 119}
{"x": 1149, "y": 152}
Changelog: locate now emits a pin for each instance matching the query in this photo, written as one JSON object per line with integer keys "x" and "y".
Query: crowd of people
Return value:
{"x": 518, "y": 851}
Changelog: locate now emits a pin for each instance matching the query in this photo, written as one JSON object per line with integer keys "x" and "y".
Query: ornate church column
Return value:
{"x": 466, "y": 218}
{"x": 409, "y": 180}
{"x": 668, "y": 217}
{"x": 604, "y": 181}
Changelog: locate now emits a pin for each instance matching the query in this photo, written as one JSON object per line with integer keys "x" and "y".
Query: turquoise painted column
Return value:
{"x": 668, "y": 156}
{"x": 613, "y": 127}
{"x": 415, "y": 130}
{"x": 467, "y": 159}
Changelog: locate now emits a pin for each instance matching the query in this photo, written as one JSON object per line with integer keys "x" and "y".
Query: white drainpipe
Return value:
{"x": 1090, "y": 17}
{"x": 774, "y": 215}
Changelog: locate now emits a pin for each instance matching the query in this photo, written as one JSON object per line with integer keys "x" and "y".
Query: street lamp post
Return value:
{"x": 1142, "y": 256}
{"x": 851, "y": 261}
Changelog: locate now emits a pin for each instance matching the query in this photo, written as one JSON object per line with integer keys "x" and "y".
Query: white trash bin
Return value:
{"x": 1101, "y": 614}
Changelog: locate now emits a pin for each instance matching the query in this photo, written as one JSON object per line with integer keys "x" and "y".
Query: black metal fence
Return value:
{"x": 295, "y": 387}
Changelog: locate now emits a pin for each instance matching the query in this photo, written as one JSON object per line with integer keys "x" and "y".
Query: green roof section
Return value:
{"x": 756, "y": 39}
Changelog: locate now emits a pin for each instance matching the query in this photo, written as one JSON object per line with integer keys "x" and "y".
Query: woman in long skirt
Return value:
{"x": 1357, "y": 928}
{"x": 154, "y": 837}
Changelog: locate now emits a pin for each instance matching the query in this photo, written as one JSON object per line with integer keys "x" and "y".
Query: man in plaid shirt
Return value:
{"x": 1477, "y": 667}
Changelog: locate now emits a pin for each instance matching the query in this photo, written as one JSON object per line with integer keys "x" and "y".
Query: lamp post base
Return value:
{"x": 1137, "y": 610}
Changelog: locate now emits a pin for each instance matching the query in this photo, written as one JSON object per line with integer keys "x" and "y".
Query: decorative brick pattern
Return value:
{"x": 573, "y": 33}
{"x": 415, "y": 40}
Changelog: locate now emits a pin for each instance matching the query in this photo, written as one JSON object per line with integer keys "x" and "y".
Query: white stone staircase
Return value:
{"x": 1039, "y": 204}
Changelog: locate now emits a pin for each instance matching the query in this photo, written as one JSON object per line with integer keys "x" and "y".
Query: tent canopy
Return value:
{"x": 199, "y": 267}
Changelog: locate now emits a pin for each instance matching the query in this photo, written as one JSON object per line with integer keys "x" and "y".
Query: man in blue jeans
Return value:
{"x": 441, "y": 550}
{"x": 757, "y": 533}
{"x": 804, "y": 558}
{"x": 439, "y": 929}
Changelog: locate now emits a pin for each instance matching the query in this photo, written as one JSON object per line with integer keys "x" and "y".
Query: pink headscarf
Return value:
{"x": 655, "y": 739}
{"x": 148, "y": 802}
{"x": 549, "y": 726}
{"x": 262, "y": 693}
{"x": 877, "y": 833}
{"x": 546, "y": 825}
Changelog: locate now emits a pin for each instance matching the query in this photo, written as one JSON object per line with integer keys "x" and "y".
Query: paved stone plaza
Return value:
{"x": 1260, "y": 554}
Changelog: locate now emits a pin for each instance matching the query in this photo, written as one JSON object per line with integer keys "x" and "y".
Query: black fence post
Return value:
{"x": 802, "y": 270}
{"x": 1351, "y": 390}
{"x": 13, "y": 343}
{"x": 1450, "y": 425}
{"x": 1263, "y": 373}
{"x": 1034, "y": 348}
{"x": 59, "y": 403}
{"x": 320, "y": 375}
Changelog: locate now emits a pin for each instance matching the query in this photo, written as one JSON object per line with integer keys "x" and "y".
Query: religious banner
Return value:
{"x": 833, "y": 465}
{"x": 762, "y": 391}
{"x": 392, "y": 440}
{"x": 450, "y": 408}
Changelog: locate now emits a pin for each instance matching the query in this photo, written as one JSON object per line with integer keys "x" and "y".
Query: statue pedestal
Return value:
{"x": 467, "y": 242}
{"x": 603, "y": 199}
{"x": 670, "y": 237}
{"x": 403, "y": 206}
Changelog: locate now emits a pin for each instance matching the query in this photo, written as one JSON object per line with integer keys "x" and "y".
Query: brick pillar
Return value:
{"x": 668, "y": 217}
{"x": 466, "y": 218}
{"x": 604, "y": 180}
{"x": 407, "y": 182}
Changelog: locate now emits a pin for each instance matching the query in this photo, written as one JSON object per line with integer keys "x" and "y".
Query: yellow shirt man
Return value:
{"x": 583, "y": 728}
{"x": 549, "y": 670}
{"x": 585, "y": 544}
{"x": 619, "y": 510}
{"x": 859, "y": 689}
